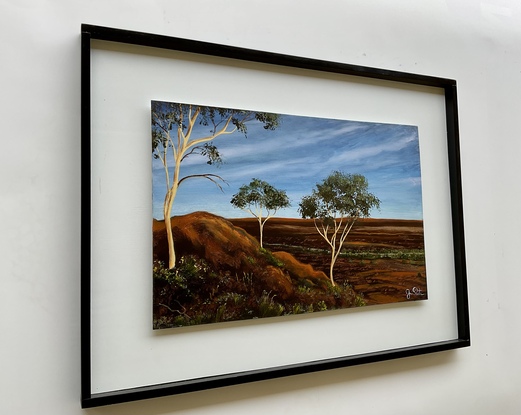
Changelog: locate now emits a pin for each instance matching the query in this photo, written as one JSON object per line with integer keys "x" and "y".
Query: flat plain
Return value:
{"x": 383, "y": 259}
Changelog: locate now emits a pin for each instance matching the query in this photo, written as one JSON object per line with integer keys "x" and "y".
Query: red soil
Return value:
{"x": 380, "y": 281}
{"x": 377, "y": 280}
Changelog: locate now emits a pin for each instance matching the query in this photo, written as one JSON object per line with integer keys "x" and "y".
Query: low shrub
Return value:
{"x": 193, "y": 293}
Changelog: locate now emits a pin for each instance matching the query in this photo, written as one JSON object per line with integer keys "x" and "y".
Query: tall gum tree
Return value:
{"x": 262, "y": 200}
{"x": 173, "y": 141}
{"x": 335, "y": 205}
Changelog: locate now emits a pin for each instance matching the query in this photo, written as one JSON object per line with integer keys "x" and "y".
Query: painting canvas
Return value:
{"x": 258, "y": 214}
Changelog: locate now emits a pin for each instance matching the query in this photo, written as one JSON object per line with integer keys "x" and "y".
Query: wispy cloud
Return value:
{"x": 301, "y": 152}
{"x": 375, "y": 154}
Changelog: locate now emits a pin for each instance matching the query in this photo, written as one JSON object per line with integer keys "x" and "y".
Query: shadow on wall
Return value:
{"x": 287, "y": 385}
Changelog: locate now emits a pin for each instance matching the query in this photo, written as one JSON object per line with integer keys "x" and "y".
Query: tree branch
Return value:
{"x": 191, "y": 122}
{"x": 210, "y": 177}
{"x": 215, "y": 135}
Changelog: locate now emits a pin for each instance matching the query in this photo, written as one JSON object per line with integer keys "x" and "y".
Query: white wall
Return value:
{"x": 475, "y": 42}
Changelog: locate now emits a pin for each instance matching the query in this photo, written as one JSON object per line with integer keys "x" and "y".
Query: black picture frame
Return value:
{"x": 89, "y": 33}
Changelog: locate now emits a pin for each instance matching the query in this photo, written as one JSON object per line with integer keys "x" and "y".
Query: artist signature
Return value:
{"x": 415, "y": 291}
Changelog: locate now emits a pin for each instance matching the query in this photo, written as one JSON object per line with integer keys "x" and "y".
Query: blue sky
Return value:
{"x": 301, "y": 152}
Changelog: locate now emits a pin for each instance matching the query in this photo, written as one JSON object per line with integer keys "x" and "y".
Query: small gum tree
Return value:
{"x": 262, "y": 200}
{"x": 335, "y": 205}
{"x": 174, "y": 140}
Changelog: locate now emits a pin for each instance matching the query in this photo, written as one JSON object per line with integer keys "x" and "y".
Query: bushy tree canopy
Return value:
{"x": 339, "y": 195}
{"x": 259, "y": 193}
{"x": 168, "y": 116}
{"x": 261, "y": 199}
{"x": 335, "y": 205}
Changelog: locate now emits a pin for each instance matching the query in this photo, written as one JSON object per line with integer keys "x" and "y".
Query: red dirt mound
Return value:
{"x": 299, "y": 271}
{"x": 229, "y": 248}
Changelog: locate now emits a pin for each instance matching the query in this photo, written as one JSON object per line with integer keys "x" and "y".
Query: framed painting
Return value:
{"x": 240, "y": 203}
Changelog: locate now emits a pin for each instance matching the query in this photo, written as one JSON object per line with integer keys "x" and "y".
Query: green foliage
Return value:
{"x": 261, "y": 199}
{"x": 270, "y": 258}
{"x": 303, "y": 289}
{"x": 211, "y": 152}
{"x": 411, "y": 255}
{"x": 298, "y": 308}
{"x": 195, "y": 293}
{"x": 268, "y": 307}
{"x": 335, "y": 205}
{"x": 189, "y": 269}
{"x": 219, "y": 315}
{"x": 173, "y": 120}
{"x": 159, "y": 271}
{"x": 321, "y": 305}
{"x": 170, "y": 116}
{"x": 339, "y": 195}
{"x": 260, "y": 195}
{"x": 359, "y": 301}
{"x": 233, "y": 298}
